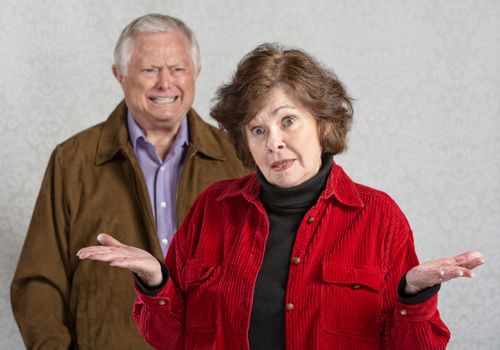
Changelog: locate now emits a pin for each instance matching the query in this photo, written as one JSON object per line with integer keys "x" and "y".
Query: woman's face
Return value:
{"x": 283, "y": 139}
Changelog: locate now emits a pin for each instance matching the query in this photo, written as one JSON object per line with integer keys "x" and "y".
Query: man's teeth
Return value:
{"x": 163, "y": 99}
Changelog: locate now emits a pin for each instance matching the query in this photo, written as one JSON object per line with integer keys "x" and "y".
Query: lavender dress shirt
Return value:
{"x": 161, "y": 177}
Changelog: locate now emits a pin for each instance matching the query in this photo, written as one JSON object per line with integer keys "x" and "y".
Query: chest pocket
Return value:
{"x": 199, "y": 281}
{"x": 351, "y": 300}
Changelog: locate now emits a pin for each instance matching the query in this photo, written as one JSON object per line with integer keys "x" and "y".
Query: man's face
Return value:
{"x": 159, "y": 86}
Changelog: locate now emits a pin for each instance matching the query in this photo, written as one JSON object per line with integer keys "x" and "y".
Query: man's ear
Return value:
{"x": 117, "y": 73}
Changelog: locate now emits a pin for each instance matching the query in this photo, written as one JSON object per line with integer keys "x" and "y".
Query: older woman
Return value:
{"x": 295, "y": 255}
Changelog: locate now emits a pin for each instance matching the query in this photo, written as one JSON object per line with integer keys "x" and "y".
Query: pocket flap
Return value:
{"x": 196, "y": 272}
{"x": 352, "y": 275}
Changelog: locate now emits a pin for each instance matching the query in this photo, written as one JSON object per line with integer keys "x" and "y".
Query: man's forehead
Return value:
{"x": 145, "y": 48}
{"x": 168, "y": 38}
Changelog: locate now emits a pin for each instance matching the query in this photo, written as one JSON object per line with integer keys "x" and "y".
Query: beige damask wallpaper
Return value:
{"x": 425, "y": 75}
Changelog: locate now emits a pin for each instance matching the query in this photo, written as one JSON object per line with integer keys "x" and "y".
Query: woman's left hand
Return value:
{"x": 441, "y": 270}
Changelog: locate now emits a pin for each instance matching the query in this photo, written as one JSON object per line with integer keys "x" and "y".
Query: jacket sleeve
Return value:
{"x": 408, "y": 326}
{"x": 40, "y": 287}
{"x": 160, "y": 318}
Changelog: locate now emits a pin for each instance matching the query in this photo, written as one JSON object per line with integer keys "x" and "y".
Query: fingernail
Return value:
{"x": 99, "y": 237}
{"x": 460, "y": 273}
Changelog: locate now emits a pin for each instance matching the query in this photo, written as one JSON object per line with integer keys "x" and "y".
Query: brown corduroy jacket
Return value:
{"x": 93, "y": 183}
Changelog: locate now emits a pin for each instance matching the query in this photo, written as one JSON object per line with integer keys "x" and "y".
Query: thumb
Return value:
{"x": 108, "y": 240}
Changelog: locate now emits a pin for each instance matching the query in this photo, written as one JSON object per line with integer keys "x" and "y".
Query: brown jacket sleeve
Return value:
{"x": 41, "y": 280}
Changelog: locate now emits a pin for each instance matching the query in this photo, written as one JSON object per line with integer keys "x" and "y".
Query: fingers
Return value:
{"x": 473, "y": 263}
{"x": 442, "y": 270}
{"x": 468, "y": 260}
{"x": 472, "y": 255}
{"x": 101, "y": 253}
{"x": 108, "y": 240}
{"x": 448, "y": 273}
{"x": 107, "y": 252}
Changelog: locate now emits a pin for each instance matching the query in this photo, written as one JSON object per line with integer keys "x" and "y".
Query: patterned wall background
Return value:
{"x": 426, "y": 76}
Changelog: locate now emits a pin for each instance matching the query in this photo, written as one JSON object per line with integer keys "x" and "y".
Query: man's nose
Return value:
{"x": 164, "y": 79}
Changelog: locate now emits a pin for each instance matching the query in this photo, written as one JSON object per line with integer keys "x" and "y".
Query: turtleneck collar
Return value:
{"x": 300, "y": 196}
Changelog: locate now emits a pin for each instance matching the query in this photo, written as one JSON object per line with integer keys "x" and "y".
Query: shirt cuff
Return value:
{"x": 152, "y": 291}
{"x": 418, "y": 298}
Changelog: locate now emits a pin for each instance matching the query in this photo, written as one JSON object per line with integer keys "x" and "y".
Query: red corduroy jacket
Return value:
{"x": 351, "y": 249}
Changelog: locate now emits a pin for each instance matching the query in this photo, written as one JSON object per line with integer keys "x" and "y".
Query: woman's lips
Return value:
{"x": 282, "y": 165}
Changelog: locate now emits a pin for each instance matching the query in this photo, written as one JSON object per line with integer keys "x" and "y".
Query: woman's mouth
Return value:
{"x": 282, "y": 165}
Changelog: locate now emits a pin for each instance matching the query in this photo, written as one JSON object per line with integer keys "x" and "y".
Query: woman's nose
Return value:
{"x": 275, "y": 141}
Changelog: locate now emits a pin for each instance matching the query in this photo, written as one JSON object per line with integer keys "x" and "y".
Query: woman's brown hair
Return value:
{"x": 271, "y": 66}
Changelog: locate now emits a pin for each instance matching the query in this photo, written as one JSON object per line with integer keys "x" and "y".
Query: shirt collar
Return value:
{"x": 134, "y": 131}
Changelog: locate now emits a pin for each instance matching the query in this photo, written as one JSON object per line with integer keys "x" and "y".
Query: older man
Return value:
{"x": 134, "y": 175}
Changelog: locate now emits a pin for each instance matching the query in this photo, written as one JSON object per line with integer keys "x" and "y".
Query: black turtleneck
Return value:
{"x": 285, "y": 209}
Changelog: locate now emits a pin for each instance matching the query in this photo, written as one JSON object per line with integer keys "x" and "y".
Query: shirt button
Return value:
{"x": 162, "y": 168}
{"x": 164, "y": 241}
{"x": 403, "y": 312}
{"x": 161, "y": 302}
{"x": 296, "y": 260}
{"x": 311, "y": 220}
{"x": 289, "y": 306}
{"x": 163, "y": 204}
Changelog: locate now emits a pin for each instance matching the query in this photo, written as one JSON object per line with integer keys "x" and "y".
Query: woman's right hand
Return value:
{"x": 139, "y": 261}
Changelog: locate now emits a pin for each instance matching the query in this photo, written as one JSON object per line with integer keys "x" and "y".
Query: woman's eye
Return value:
{"x": 287, "y": 121}
{"x": 257, "y": 131}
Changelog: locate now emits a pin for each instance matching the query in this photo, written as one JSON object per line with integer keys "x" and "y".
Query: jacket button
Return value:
{"x": 289, "y": 306}
{"x": 296, "y": 260}
{"x": 161, "y": 302}
{"x": 403, "y": 312}
{"x": 311, "y": 220}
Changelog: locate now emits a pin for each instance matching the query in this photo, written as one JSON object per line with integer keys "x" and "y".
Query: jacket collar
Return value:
{"x": 338, "y": 185}
{"x": 114, "y": 136}
{"x": 202, "y": 138}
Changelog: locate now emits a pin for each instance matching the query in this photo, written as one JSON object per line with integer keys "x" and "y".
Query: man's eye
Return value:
{"x": 257, "y": 131}
{"x": 178, "y": 70}
{"x": 149, "y": 70}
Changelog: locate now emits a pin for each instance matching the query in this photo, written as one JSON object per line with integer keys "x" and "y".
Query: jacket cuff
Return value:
{"x": 420, "y": 297}
{"x": 152, "y": 291}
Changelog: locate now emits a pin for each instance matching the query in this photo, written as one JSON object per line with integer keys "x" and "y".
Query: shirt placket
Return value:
{"x": 162, "y": 207}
